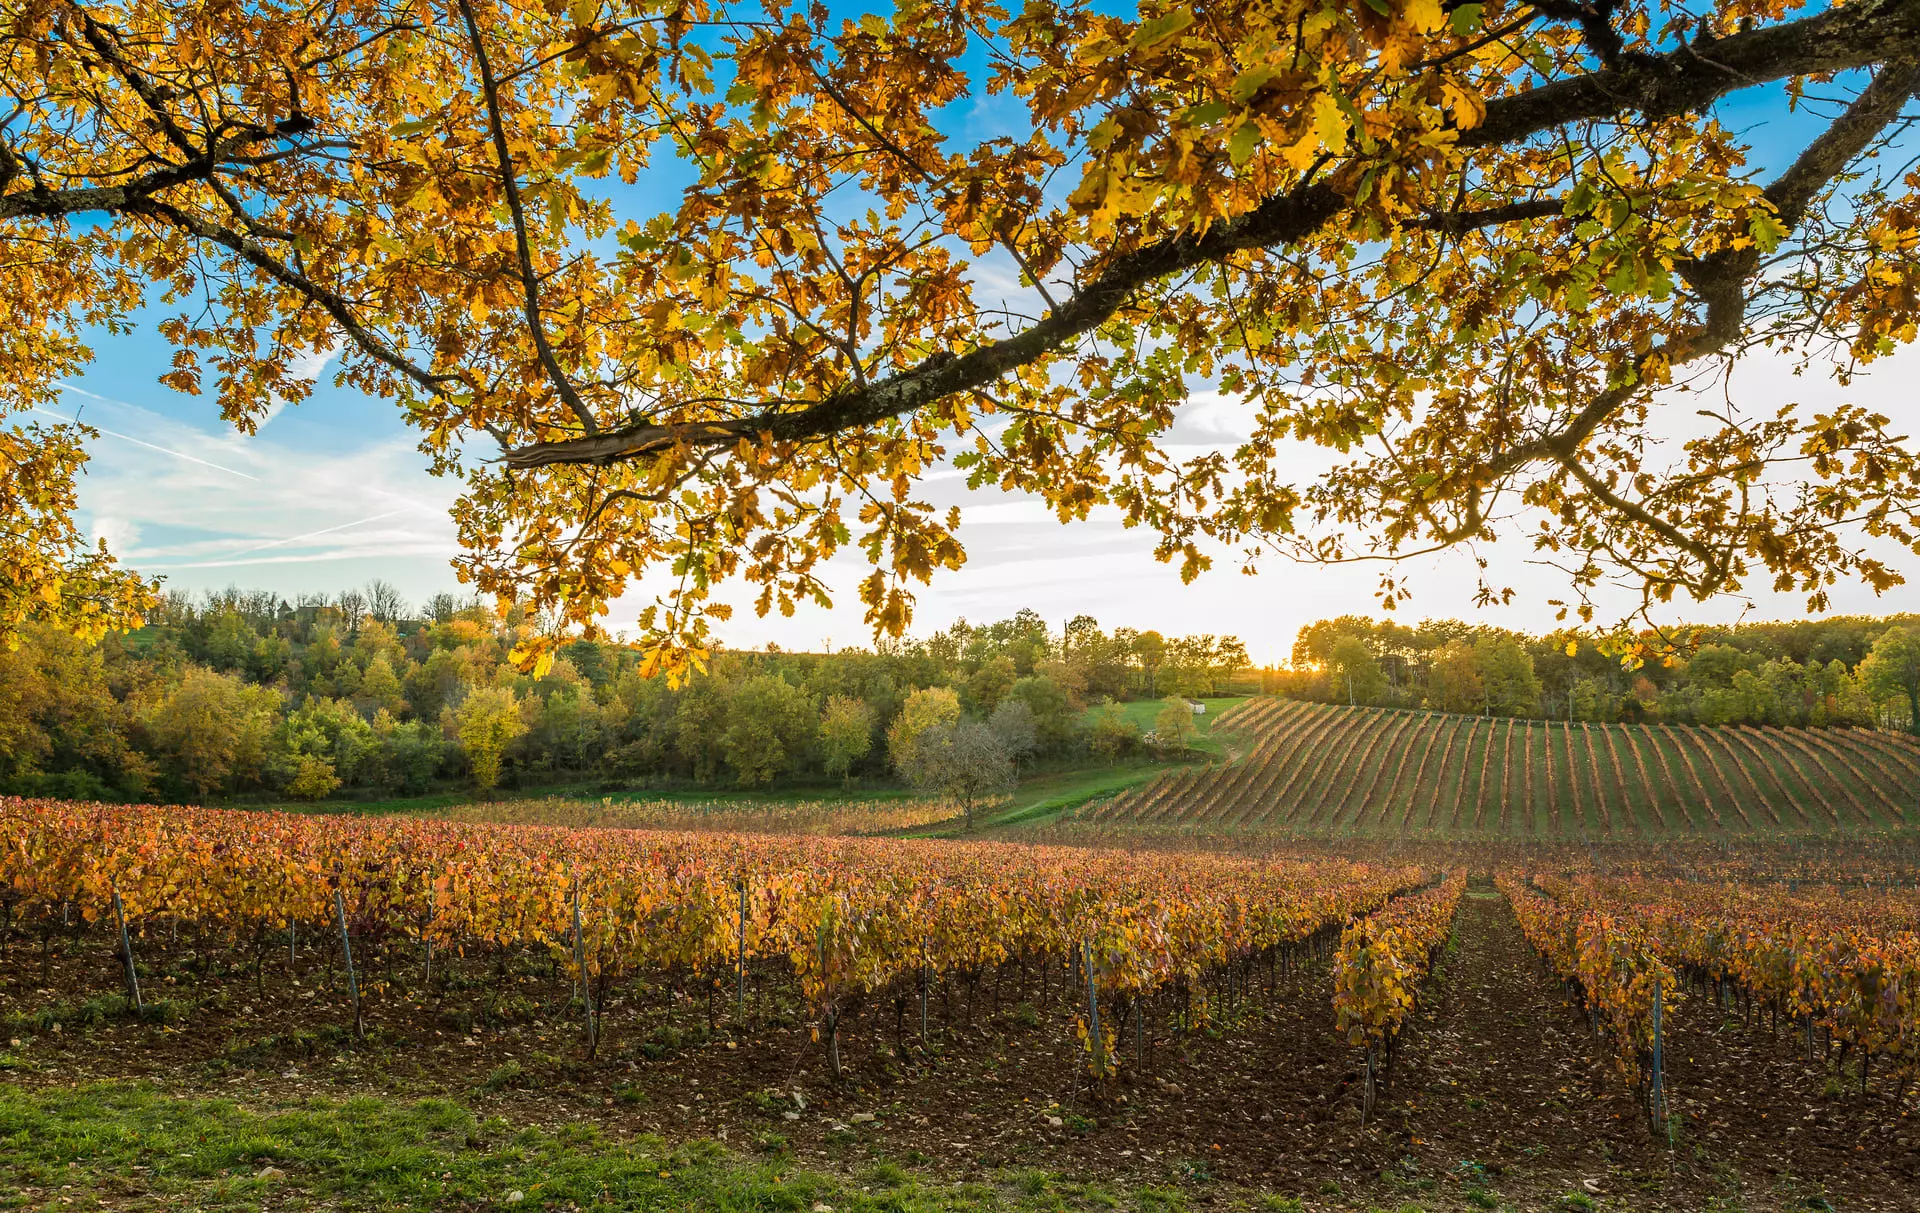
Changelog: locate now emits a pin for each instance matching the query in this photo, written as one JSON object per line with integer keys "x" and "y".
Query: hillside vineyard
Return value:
{"x": 1310, "y": 769}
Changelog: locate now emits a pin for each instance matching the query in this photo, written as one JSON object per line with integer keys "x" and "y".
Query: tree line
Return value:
{"x": 245, "y": 693}
{"x": 1843, "y": 671}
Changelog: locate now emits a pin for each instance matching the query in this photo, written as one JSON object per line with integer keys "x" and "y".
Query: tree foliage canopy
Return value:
{"x": 1470, "y": 247}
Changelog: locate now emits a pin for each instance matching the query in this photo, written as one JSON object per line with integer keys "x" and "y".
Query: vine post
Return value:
{"x": 1658, "y": 1096}
{"x": 346, "y": 955}
{"x": 1366, "y": 1095}
{"x": 126, "y": 952}
{"x": 580, "y": 966}
{"x": 426, "y": 970}
{"x": 1093, "y": 1014}
{"x": 740, "y": 989}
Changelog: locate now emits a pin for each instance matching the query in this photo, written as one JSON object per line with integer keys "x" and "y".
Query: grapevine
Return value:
{"x": 848, "y": 917}
{"x": 1382, "y": 962}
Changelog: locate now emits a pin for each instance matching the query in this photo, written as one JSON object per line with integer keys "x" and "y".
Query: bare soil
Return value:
{"x": 1502, "y": 1096}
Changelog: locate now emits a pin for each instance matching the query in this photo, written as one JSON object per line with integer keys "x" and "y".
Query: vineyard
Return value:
{"x": 771, "y": 816}
{"x": 1323, "y": 1014}
{"x": 848, "y": 920}
{"x": 1309, "y": 769}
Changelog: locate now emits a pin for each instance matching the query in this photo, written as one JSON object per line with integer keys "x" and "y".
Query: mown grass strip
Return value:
{"x": 124, "y": 1145}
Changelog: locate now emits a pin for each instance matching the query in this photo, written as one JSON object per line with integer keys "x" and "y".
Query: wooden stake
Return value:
{"x": 1093, "y": 1015}
{"x": 580, "y": 963}
{"x": 346, "y": 954}
{"x": 126, "y": 953}
{"x": 426, "y": 973}
{"x": 740, "y": 991}
{"x": 1659, "y": 1079}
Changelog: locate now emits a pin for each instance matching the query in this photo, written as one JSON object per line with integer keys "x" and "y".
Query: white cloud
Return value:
{"x": 202, "y": 507}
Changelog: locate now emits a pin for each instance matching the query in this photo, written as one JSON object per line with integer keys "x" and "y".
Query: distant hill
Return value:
{"x": 1312, "y": 769}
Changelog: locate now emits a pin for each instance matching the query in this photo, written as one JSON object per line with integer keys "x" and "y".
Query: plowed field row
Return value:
{"x": 1313, "y": 769}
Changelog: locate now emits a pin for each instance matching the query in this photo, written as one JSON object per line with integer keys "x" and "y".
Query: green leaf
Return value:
{"x": 874, "y": 24}
{"x": 1241, "y": 146}
{"x": 1767, "y": 230}
{"x": 1465, "y": 20}
{"x": 1381, "y": 7}
{"x": 1251, "y": 81}
{"x": 1161, "y": 29}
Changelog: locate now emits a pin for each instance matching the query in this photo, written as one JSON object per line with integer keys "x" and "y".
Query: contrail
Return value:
{"x": 312, "y": 534}
{"x": 164, "y": 450}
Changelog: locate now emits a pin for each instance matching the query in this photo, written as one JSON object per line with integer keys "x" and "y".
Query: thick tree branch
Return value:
{"x": 1680, "y": 81}
{"x": 510, "y": 186}
{"x": 1720, "y": 281}
{"x": 1459, "y": 223}
{"x": 38, "y": 202}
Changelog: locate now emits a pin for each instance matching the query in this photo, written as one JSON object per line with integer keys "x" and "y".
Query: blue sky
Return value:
{"x": 332, "y": 492}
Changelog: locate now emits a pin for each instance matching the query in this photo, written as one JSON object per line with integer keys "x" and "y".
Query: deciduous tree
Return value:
{"x": 1354, "y": 670}
{"x": 486, "y": 722}
{"x": 846, "y": 733}
{"x": 1506, "y": 677}
{"x": 770, "y": 724}
{"x": 1013, "y": 726}
{"x": 1892, "y": 670}
{"x": 963, "y": 760}
{"x": 1476, "y": 248}
{"x": 925, "y": 709}
{"x": 1173, "y": 727}
{"x": 1453, "y": 680}
{"x": 213, "y": 731}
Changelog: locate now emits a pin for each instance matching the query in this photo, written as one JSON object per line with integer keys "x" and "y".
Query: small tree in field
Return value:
{"x": 964, "y": 760}
{"x": 1173, "y": 728}
{"x": 1113, "y": 736}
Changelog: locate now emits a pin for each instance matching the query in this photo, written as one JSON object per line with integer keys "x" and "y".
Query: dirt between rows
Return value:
{"x": 1502, "y": 1096}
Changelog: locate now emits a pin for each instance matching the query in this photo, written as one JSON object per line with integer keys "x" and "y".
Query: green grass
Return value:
{"x": 1045, "y": 797}
{"x": 435, "y": 801}
{"x": 123, "y": 1145}
{"x": 1143, "y": 712}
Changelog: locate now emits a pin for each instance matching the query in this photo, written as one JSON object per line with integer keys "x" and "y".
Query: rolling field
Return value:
{"x": 1314, "y": 769}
